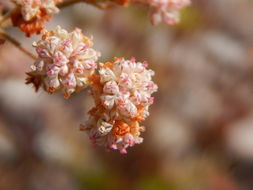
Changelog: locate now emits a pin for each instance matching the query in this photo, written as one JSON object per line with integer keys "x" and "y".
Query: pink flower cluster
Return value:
{"x": 31, "y": 8}
{"x": 166, "y": 10}
{"x": 122, "y": 92}
{"x": 66, "y": 61}
{"x": 122, "y": 89}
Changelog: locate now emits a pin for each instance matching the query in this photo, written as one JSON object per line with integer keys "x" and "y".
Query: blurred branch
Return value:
{"x": 68, "y": 3}
{"x": 17, "y": 44}
{"x": 91, "y": 2}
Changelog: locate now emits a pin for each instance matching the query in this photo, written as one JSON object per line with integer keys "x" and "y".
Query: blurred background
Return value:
{"x": 199, "y": 135}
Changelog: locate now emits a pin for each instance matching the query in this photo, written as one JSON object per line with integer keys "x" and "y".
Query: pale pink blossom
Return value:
{"x": 66, "y": 61}
{"x": 31, "y": 8}
{"x": 166, "y": 10}
{"x": 122, "y": 92}
{"x": 163, "y": 10}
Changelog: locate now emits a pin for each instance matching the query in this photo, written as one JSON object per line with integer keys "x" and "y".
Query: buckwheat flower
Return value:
{"x": 122, "y": 92}
{"x": 65, "y": 61}
{"x": 31, "y": 14}
{"x": 164, "y": 10}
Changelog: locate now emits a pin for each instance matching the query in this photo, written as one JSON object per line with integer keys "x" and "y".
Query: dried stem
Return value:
{"x": 92, "y": 2}
{"x": 17, "y": 45}
{"x": 68, "y": 3}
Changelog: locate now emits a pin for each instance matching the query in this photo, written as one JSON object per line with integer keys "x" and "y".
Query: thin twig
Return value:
{"x": 68, "y": 3}
{"x": 17, "y": 45}
{"x": 91, "y": 2}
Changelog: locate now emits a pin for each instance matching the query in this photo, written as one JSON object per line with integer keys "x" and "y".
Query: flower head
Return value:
{"x": 164, "y": 10}
{"x": 31, "y": 14}
{"x": 66, "y": 61}
{"x": 122, "y": 92}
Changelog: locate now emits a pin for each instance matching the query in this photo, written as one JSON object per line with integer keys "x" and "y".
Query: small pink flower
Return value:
{"x": 66, "y": 61}
{"x": 31, "y": 8}
{"x": 122, "y": 92}
{"x": 164, "y": 10}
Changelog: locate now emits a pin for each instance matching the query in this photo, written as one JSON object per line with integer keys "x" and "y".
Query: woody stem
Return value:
{"x": 68, "y": 3}
{"x": 92, "y": 2}
{"x": 17, "y": 45}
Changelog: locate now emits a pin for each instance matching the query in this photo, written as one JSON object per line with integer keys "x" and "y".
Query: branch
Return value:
{"x": 68, "y": 3}
{"x": 17, "y": 45}
{"x": 91, "y": 2}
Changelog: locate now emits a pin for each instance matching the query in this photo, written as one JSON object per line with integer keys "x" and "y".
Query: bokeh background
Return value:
{"x": 200, "y": 132}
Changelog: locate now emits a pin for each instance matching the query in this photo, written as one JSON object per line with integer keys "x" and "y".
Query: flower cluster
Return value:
{"x": 66, "y": 61}
{"x": 31, "y": 14}
{"x": 122, "y": 92}
{"x": 164, "y": 10}
{"x": 121, "y": 89}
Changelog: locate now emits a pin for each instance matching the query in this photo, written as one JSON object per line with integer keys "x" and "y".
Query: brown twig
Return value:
{"x": 91, "y": 2}
{"x": 68, "y": 3}
{"x": 17, "y": 45}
